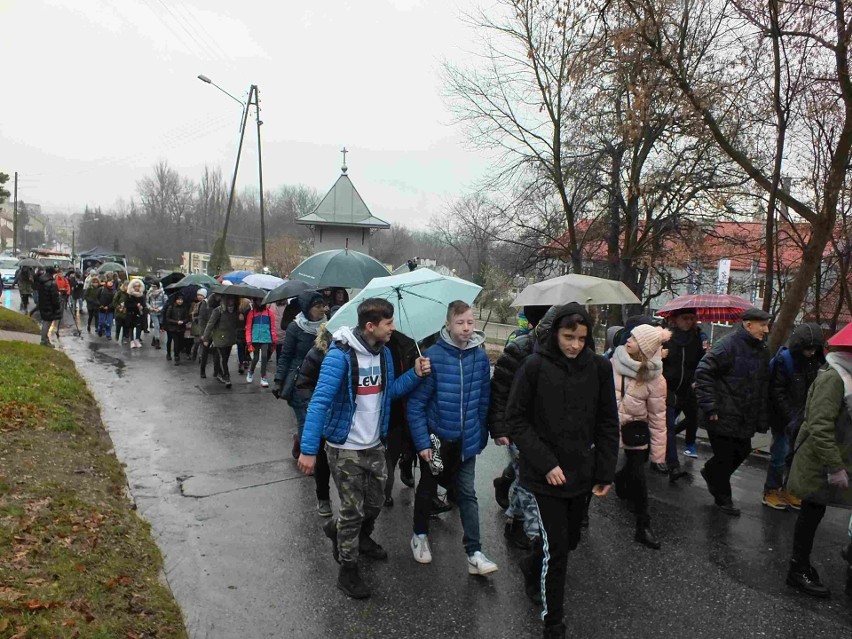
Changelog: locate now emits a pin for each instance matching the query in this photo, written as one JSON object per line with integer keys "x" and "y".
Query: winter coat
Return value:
{"x": 76, "y": 285}
{"x": 105, "y": 298}
{"x": 202, "y": 316}
{"x": 732, "y": 382}
{"x": 824, "y": 444}
{"x": 791, "y": 376}
{"x": 260, "y": 326}
{"x": 49, "y": 302}
{"x": 452, "y": 402}
{"x": 175, "y": 314}
{"x": 508, "y": 364}
{"x": 63, "y": 285}
{"x": 332, "y": 406}
{"x": 243, "y": 309}
{"x": 562, "y": 412}
{"x": 134, "y": 303}
{"x": 25, "y": 281}
{"x": 222, "y": 327}
{"x": 91, "y": 295}
{"x": 403, "y": 353}
{"x": 685, "y": 350}
{"x": 118, "y": 305}
{"x": 641, "y": 400}
{"x": 156, "y": 298}
{"x": 195, "y": 327}
{"x": 295, "y": 347}
{"x": 306, "y": 380}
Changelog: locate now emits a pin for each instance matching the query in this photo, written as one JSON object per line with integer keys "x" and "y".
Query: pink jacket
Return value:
{"x": 645, "y": 400}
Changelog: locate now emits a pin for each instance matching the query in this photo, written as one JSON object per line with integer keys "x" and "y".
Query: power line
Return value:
{"x": 182, "y": 25}
{"x": 201, "y": 31}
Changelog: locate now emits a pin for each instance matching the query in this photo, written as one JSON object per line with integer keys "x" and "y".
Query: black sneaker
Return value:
{"x": 502, "y": 484}
{"x": 203, "y": 375}
{"x": 349, "y": 581}
{"x": 406, "y": 475}
{"x": 726, "y": 505}
{"x": 532, "y": 581}
{"x": 806, "y": 579}
{"x": 330, "y": 530}
{"x": 663, "y": 469}
{"x": 369, "y": 548}
{"x": 227, "y": 382}
{"x": 440, "y": 506}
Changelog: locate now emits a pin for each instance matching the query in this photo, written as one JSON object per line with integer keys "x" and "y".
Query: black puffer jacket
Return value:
{"x": 505, "y": 369}
{"x": 732, "y": 382}
{"x": 294, "y": 348}
{"x": 174, "y": 315}
{"x": 309, "y": 371}
{"x": 562, "y": 412}
{"x": 403, "y": 353}
{"x": 685, "y": 350}
{"x": 792, "y": 376}
{"x": 49, "y": 304}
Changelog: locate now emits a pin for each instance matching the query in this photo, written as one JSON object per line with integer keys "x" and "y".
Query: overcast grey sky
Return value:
{"x": 95, "y": 92}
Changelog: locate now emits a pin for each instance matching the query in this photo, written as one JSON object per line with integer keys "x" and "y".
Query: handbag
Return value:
{"x": 635, "y": 433}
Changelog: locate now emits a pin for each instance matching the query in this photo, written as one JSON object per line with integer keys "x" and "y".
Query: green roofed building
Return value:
{"x": 342, "y": 219}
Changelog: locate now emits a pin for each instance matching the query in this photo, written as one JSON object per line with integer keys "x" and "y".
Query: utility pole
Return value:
{"x": 15, "y": 219}
{"x": 253, "y": 100}
{"x": 259, "y": 174}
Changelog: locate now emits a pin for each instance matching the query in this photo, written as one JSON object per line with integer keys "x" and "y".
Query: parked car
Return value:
{"x": 8, "y": 267}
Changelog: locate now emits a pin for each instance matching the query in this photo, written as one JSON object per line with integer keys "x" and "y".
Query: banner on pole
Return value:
{"x": 723, "y": 276}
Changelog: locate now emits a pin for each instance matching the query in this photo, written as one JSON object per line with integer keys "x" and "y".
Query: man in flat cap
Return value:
{"x": 731, "y": 385}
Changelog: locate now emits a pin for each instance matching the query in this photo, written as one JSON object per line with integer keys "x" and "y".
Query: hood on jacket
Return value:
{"x": 136, "y": 288}
{"x": 806, "y": 336}
{"x": 346, "y": 335}
{"x": 542, "y": 331}
{"x": 476, "y": 340}
{"x": 308, "y": 300}
{"x": 552, "y": 343}
{"x": 323, "y": 340}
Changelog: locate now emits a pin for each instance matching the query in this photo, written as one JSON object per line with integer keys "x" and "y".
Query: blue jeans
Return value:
{"x": 777, "y": 461}
{"x": 301, "y": 411}
{"x": 672, "y": 460}
{"x": 463, "y": 474}
{"x": 105, "y": 324}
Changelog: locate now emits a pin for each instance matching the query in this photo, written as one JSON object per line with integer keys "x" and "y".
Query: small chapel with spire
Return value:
{"x": 342, "y": 219}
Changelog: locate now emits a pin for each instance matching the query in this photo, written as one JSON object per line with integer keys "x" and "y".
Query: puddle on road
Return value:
{"x": 103, "y": 358}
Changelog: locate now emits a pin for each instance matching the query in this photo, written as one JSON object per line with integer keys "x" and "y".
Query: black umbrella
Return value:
{"x": 28, "y": 261}
{"x": 293, "y": 288}
{"x": 171, "y": 278}
{"x": 238, "y": 290}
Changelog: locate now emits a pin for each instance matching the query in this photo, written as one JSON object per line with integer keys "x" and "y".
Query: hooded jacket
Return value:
{"x": 175, "y": 314}
{"x": 222, "y": 327}
{"x": 49, "y": 303}
{"x": 562, "y": 412}
{"x": 641, "y": 400}
{"x": 156, "y": 299}
{"x": 732, "y": 382}
{"x": 331, "y": 411}
{"x": 91, "y": 295}
{"x": 685, "y": 350}
{"x": 507, "y": 365}
{"x": 105, "y": 297}
{"x": 791, "y": 376}
{"x": 135, "y": 301}
{"x": 309, "y": 371}
{"x": 260, "y": 326}
{"x": 452, "y": 402}
{"x": 297, "y": 342}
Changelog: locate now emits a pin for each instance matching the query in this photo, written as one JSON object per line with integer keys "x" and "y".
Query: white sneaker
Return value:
{"x": 479, "y": 564}
{"x": 250, "y": 377}
{"x": 420, "y": 549}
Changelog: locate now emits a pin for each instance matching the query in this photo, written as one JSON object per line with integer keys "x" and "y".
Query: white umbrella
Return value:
{"x": 420, "y": 298}
{"x": 583, "y": 289}
{"x": 262, "y": 280}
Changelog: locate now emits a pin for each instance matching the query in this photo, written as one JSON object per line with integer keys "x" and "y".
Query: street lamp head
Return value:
{"x": 204, "y": 78}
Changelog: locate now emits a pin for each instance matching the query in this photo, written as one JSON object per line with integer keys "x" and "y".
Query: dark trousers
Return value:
{"x": 728, "y": 454}
{"x": 322, "y": 474}
{"x": 399, "y": 450}
{"x": 807, "y": 523}
{"x": 689, "y": 407}
{"x": 560, "y": 520}
{"x": 224, "y": 356}
{"x": 632, "y": 478}
{"x": 261, "y": 352}
{"x": 92, "y": 310}
{"x": 174, "y": 343}
{"x": 209, "y": 350}
{"x": 243, "y": 359}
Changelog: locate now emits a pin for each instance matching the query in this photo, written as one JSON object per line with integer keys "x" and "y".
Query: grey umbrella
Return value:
{"x": 342, "y": 268}
{"x": 583, "y": 289}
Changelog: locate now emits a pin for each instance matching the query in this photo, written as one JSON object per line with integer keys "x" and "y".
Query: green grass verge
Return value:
{"x": 76, "y": 562}
{"x": 14, "y": 321}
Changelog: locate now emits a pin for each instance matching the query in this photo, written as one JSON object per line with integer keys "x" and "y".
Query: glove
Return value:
{"x": 277, "y": 389}
{"x": 839, "y": 479}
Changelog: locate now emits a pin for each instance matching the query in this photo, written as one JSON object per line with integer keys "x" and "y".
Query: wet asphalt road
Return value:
{"x": 211, "y": 471}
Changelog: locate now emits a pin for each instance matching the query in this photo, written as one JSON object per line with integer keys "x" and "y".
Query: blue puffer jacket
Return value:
{"x": 332, "y": 404}
{"x": 453, "y": 401}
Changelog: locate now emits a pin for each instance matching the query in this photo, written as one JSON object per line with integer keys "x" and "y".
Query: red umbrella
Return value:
{"x": 709, "y": 308}
{"x": 843, "y": 338}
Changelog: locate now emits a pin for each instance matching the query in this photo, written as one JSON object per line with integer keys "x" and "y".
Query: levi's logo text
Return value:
{"x": 369, "y": 380}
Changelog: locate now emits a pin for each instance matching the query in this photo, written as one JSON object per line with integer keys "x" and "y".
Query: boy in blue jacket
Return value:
{"x": 452, "y": 405}
{"x": 350, "y": 408}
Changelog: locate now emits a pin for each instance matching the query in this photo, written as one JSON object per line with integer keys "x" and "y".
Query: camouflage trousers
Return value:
{"x": 522, "y": 505}
{"x": 360, "y": 477}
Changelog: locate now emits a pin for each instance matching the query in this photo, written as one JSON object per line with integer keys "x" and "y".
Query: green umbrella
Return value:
{"x": 198, "y": 279}
{"x": 239, "y": 290}
{"x": 111, "y": 267}
{"x": 340, "y": 268}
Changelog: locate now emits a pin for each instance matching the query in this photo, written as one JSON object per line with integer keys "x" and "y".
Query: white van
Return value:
{"x": 8, "y": 267}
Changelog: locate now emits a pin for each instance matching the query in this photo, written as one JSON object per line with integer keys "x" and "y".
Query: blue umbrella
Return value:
{"x": 236, "y": 277}
{"x": 420, "y": 297}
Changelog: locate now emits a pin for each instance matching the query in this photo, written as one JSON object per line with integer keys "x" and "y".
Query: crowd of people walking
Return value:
{"x": 366, "y": 401}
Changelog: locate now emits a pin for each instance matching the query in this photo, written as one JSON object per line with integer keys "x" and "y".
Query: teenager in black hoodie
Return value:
{"x": 563, "y": 418}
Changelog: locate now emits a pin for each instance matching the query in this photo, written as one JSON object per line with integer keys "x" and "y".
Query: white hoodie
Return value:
{"x": 366, "y": 426}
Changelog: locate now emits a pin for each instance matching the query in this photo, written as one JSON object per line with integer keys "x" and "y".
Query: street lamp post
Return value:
{"x": 253, "y": 100}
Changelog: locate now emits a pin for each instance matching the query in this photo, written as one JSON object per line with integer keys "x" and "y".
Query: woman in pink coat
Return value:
{"x": 640, "y": 390}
